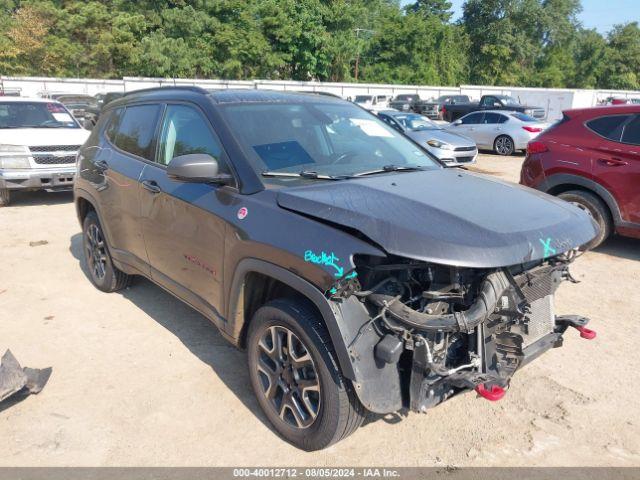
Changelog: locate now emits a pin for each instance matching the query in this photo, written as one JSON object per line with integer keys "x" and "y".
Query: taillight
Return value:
{"x": 443, "y": 110}
{"x": 536, "y": 147}
{"x": 532, "y": 129}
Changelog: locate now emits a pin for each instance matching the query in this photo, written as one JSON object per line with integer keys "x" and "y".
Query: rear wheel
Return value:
{"x": 596, "y": 209}
{"x": 503, "y": 145}
{"x": 296, "y": 379}
{"x": 103, "y": 274}
{"x": 5, "y": 197}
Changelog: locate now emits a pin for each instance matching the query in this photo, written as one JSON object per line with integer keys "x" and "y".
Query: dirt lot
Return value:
{"x": 141, "y": 379}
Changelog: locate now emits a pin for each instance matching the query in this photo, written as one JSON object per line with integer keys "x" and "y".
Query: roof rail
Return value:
{"x": 191, "y": 88}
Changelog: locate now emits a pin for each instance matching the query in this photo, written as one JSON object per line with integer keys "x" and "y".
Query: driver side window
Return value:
{"x": 185, "y": 131}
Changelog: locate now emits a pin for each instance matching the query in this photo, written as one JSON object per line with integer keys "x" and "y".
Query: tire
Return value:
{"x": 503, "y": 145}
{"x": 5, "y": 197}
{"x": 326, "y": 414}
{"x": 596, "y": 208}
{"x": 102, "y": 273}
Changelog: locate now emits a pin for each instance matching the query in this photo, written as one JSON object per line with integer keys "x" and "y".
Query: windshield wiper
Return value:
{"x": 388, "y": 168}
{"x": 303, "y": 174}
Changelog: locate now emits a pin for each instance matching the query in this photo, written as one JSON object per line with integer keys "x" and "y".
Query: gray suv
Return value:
{"x": 358, "y": 273}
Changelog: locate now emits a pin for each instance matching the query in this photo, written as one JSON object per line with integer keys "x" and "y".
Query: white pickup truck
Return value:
{"x": 39, "y": 140}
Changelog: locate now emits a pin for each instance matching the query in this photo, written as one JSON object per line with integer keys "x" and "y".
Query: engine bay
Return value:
{"x": 450, "y": 329}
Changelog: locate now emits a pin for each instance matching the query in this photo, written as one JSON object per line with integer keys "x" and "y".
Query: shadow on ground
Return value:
{"x": 622, "y": 247}
{"x": 195, "y": 331}
{"x": 40, "y": 197}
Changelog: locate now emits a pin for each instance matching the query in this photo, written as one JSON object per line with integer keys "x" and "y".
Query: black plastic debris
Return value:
{"x": 15, "y": 379}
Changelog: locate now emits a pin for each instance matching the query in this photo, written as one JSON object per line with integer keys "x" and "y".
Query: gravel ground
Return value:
{"x": 140, "y": 379}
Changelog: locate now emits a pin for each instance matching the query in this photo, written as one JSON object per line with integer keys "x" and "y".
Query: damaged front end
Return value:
{"x": 435, "y": 331}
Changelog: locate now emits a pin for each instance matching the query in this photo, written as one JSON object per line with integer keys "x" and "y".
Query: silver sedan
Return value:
{"x": 450, "y": 148}
{"x": 502, "y": 131}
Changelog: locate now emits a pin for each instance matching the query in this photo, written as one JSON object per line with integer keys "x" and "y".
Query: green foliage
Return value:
{"x": 506, "y": 42}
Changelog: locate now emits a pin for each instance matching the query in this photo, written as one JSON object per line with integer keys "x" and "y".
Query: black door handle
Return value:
{"x": 101, "y": 165}
{"x": 151, "y": 186}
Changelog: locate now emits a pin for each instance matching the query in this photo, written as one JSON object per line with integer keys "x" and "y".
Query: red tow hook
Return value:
{"x": 493, "y": 395}
{"x": 586, "y": 333}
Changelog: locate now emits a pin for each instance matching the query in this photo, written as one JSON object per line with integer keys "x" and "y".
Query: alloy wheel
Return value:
{"x": 288, "y": 377}
{"x": 96, "y": 251}
{"x": 504, "y": 145}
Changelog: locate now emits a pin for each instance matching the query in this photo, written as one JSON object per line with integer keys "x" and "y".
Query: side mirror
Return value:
{"x": 456, "y": 123}
{"x": 197, "y": 168}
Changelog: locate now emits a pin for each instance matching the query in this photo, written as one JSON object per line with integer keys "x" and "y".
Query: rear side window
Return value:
{"x": 493, "y": 118}
{"x": 631, "y": 132}
{"x": 113, "y": 122}
{"x": 136, "y": 129}
{"x": 609, "y": 127}
{"x": 472, "y": 119}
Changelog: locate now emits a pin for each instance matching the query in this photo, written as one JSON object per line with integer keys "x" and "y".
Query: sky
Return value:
{"x": 599, "y": 14}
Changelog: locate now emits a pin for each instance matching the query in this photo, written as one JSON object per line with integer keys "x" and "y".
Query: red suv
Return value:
{"x": 591, "y": 158}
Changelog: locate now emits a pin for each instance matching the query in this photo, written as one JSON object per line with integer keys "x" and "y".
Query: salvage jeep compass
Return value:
{"x": 359, "y": 274}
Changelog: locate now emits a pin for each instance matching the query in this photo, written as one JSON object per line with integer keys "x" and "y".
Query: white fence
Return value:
{"x": 553, "y": 100}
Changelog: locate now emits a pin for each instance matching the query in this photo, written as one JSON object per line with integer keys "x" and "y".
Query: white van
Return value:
{"x": 39, "y": 140}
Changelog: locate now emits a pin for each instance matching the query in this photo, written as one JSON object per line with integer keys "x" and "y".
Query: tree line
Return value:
{"x": 496, "y": 42}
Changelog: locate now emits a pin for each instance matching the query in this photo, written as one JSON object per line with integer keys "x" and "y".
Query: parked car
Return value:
{"x": 591, "y": 158}
{"x": 83, "y": 107}
{"x": 450, "y": 148}
{"x": 502, "y": 131}
{"x": 372, "y": 102}
{"x": 358, "y": 273}
{"x": 39, "y": 140}
{"x": 436, "y": 109}
{"x": 492, "y": 102}
{"x": 404, "y": 102}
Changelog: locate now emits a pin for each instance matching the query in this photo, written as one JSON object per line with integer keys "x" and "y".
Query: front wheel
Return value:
{"x": 503, "y": 145}
{"x": 296, "y": 378}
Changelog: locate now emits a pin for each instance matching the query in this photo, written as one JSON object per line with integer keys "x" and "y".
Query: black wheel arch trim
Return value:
{"x": 588, "y": 184}
{"x": 331, "y": 316}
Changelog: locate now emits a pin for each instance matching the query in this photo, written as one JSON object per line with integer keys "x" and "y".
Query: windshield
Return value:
{"x": 363, "y": 98}
{"x": 329, "y": 139}
{"x": 524, "y": 118}
{"x": 507, "y": 100}
{"x": 416, "y": 122}
{"x": 35, "y": 115}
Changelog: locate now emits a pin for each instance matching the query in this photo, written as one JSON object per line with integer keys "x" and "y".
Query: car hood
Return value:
{"x": 43, "y": 136}
{"x": 442, "y": 136}
{"x": 447, "y": 216}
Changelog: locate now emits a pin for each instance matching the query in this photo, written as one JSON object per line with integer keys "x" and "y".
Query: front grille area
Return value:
{"x": 541, "y": 320}
{"x": 538, "y": 113}
{"x": 538, "y": 289}
{"x": 54, "y": 159}
{"x": 464, "y": 159}
{"x": 464, "y": 149}
{"x": 55, "y": 148}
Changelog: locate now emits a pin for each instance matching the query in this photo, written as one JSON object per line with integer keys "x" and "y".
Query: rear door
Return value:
{"x": 183, "y": 231}
{"x": 118, "y": 167}
{"x": 490, "y": 128}
{"x": 617, "y": 162}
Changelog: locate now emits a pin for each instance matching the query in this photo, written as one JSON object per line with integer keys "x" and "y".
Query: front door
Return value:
{"x": 183, "y": 233}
